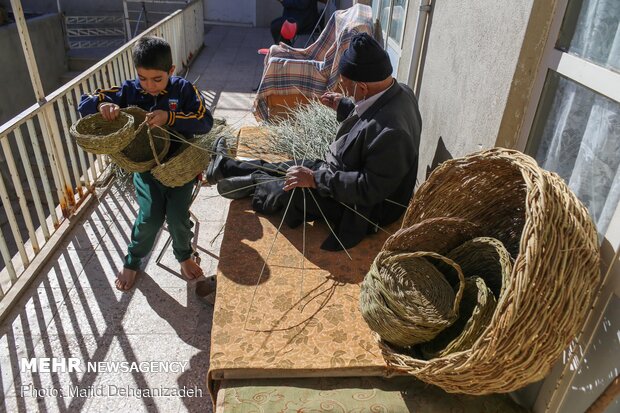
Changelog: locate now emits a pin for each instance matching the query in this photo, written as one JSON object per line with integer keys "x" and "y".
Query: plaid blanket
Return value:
{"x": 313, "y": 70}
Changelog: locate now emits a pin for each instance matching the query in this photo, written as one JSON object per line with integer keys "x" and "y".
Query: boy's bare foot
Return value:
{"x": 190, "y": 269}
{"x": 125, "y": 279}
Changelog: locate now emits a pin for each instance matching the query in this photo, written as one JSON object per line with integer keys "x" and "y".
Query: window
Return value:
{"x": 398, "y": 21}
{"x": 578, "y": 136}
{"x": 576, "y": 131}
{"x": 392, "y": 15}
{"x": 591, "y": 31}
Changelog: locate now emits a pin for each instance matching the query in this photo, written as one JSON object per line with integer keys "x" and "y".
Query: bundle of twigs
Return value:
{"x": 123, "y": 180}
{"x": 306, "y": 133}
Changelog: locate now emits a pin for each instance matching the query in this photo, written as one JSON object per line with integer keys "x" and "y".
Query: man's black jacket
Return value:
{"x": 372, "y": 165}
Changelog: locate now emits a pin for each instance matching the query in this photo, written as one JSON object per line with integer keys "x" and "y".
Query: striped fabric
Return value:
{"x": 314, "y": 70}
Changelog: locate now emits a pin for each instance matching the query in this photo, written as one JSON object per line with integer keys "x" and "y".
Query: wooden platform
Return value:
{"x": 284, "y": 307}
{"x": 253, "y": 143}
{"x": 296, "y": 317}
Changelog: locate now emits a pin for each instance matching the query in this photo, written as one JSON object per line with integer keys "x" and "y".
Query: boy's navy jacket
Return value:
{"x": 187, "y": 112}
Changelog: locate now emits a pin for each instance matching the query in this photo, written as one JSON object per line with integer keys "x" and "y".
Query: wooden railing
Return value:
{"x": 44, "y": 176}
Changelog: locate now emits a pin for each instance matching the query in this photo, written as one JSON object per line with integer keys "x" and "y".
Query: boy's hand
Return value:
{"x": 109, "y": 111}
{"x": 331, "y": 99}
{"x": 157, "y": 118}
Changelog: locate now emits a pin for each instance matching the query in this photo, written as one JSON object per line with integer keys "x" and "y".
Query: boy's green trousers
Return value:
{"x": 158, "y": 203}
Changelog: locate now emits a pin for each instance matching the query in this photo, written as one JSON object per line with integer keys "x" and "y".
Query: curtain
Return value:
{"x": 596, "y": 35}
{"x": 581, "y": 134}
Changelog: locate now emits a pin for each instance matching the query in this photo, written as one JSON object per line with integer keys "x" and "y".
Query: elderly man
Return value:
{"x": 369, "y": 171}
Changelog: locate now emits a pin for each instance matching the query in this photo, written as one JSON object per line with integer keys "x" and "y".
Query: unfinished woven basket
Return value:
{"x": 190, "y": 159}
{"x": 406, "y": 300}
{"x": 138, "y": 155}
{"x": 439, "y": 235}
{"x": 475, "y": 313}
{"x": 100, "y": 136}
{"x": 548, "y": 293}
{"x": 486, "y": 258}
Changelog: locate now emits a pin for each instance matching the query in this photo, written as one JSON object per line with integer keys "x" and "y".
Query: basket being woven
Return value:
{"x": 138, "y": 155}
{"x": 475, "y": 313}
{"x": 406, "y": 300}
{"x": 100, "y": 136}
{"x": 547, "y": 295}
{"x": 190, "y": 159}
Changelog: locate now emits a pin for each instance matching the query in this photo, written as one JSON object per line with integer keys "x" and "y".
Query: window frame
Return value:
{"x": 557, "y": 384}
{"x": 587, "y": 74}
{"x": 385, "y": 31}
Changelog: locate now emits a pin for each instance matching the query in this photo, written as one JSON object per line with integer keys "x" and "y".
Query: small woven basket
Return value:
{"x": 475, "y": 313}
{"x": 406, "y": 300}
{"x": 548, "y": 293}
{"x": 486, "y": 258}
{"x": 139, "y": 155}
{"x": 191, "y": 158}
{"x": 97, "y": 135}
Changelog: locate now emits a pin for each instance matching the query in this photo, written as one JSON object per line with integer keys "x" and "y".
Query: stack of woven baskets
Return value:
{"x": 489, "y": 278}
{"x": 135, "y": 147}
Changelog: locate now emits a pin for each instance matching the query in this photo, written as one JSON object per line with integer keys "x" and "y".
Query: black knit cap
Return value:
{"x": 365, "y": 60}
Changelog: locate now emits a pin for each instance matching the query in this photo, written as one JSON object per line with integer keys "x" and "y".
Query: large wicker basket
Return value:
{"x": 138, "y": 155}
{"x": 100, "y": 136}
{"x": 556, "y": 271}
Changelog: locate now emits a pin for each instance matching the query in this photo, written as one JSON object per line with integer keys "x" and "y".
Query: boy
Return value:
{"x": 174, "y": 102}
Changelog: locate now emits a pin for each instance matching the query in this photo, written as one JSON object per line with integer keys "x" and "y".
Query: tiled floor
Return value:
{"x": 72, "y": 310}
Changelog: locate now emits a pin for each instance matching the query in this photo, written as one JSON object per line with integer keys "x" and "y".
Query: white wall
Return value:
{"x": 473, "y": 51}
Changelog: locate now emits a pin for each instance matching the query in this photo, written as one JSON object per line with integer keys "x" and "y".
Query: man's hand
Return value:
{"x": 299, "y": 177}
{"x": 331, "y": 99}
{"x": 157, "y": 118}
{"x": 109, "y": 111}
